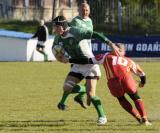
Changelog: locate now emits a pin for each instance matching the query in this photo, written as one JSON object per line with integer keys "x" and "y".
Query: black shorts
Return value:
{"x": 80, "y": 76}
{"x": 40, "y": 46}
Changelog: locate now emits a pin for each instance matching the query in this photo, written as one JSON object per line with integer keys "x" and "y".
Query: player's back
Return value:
{"x": 116, "y": 66}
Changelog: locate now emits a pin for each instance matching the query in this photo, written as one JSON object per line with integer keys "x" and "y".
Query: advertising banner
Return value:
{"x": 136, "y": 46}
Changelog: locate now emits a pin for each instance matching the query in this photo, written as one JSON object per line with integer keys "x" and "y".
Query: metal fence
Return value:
{"x": 129, "y": 16}
{"x": 134, "y": 16}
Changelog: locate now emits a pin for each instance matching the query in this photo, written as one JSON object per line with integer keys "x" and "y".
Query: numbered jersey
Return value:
{"x": 118, "y": 66}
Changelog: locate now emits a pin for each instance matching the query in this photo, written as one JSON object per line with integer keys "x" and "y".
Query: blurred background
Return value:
{"x": 136, "y": 23}
{"x": 109, "y": 16}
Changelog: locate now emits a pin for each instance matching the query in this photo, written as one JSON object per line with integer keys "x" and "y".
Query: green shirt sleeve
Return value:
{"x": 73, "y": 23}
{"x": 81, "y": 33}
{"x": 100, "y": 37}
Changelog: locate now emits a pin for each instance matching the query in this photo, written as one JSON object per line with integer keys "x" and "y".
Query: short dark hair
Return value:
{"x": 60, "y": 21}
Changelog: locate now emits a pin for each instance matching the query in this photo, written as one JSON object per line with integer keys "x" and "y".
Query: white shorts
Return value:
{"x": 91, "y": 70}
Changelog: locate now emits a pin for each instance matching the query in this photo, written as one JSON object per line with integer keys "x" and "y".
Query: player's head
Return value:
{"x": 41, "y": 22}
{"x": 84, "y": 10}
{"x": 60, "y": 24}
{"x": 121, "y": 48}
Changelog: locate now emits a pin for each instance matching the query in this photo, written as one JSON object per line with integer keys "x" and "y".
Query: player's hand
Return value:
{"x": 141, "y": 85}
{"x": 64, "y": 59}
{"x": 114, "y": 48}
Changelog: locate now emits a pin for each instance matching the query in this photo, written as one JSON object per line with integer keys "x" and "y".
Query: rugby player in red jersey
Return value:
{"x": 120, "y": 81}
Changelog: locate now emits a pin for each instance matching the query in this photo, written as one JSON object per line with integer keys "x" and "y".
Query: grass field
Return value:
{"x": 29, "y": 93}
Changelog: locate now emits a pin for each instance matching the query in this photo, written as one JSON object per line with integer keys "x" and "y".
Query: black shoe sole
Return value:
{"x": 80, "y": 102}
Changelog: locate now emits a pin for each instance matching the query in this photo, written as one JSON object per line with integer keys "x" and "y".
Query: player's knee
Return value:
{"x": 91, "y": 94}
{"x": 134, "y": 96}
{"x": 68, "y": 86}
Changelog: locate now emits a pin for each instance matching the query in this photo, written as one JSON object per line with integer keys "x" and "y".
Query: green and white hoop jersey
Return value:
{"x": 72, "y": 42}
{"x": 85, "y": 24}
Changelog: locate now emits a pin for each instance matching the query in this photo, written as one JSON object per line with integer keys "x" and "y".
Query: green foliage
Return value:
{"x": 127, "y": 2}
{"x": 30, "y": 92}
{"x": 27, "y": 26}
{"x": 141, "y": 24}
{"x": 22, "y": 26}
{"x": 139, "y": 17}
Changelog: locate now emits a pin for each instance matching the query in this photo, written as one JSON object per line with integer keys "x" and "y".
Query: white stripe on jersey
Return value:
{"x": 100, "y": 61}
{"x": 46, "y": 32}
{"x": 85, "y": 47}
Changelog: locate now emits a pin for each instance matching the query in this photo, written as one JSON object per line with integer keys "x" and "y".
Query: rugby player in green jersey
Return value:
{"x": 81, "y": 21}
{"x": 70, "y": 39}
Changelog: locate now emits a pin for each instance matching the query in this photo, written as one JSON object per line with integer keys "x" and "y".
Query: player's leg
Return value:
{"x": 125, "y": 104}
{"x": 130, "y": 88}
{"x": 40, "y": 48}
{"x": 68, "y": 85}
{"x": 116, "y": 87}
{"x": 80, "y": 89}
{"x": 92, "y": 74}
{"x": 71, "y": 86}
{"x": 140, "y": 107}
{"x": 44, "y": 53}
{"x": 91, "y": 83}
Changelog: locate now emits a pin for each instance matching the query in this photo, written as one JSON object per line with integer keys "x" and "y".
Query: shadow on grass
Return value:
{"x": 32, "y": 123}
{"x": 67, "y": 126}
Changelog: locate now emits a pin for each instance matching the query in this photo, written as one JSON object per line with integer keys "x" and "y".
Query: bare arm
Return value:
{"x": 136, "y": 69}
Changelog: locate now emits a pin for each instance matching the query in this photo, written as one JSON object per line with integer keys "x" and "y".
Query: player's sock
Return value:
{"x": 140, "y": 107}
{"x": 128, "y": 107}
{"x": 64, "y": 97}
{"x": 81, "y": 89}
{"x": 97, "y": 104}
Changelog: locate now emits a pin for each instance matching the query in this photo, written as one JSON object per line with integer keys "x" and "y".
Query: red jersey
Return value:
{"x": 117, "y": 66}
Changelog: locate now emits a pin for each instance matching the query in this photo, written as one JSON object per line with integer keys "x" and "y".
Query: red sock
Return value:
{"x": 128, "y": 107}
{"x": 140, "y": 107}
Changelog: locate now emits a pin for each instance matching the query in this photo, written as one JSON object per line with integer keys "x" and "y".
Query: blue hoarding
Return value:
{"x": 136, "y": 46}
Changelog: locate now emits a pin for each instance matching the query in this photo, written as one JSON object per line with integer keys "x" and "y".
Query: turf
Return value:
{"x": 30, "y": 91}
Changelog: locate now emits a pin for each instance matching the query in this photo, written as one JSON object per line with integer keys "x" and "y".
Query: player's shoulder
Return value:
{"x": 75, "y": 20}
{"x": 130, "y": 61}
{"x": 78, "y": 18}
{"x": 88, "y": 19}
{"x": 45, "y": 26}
{"x": 74, "y": 30}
